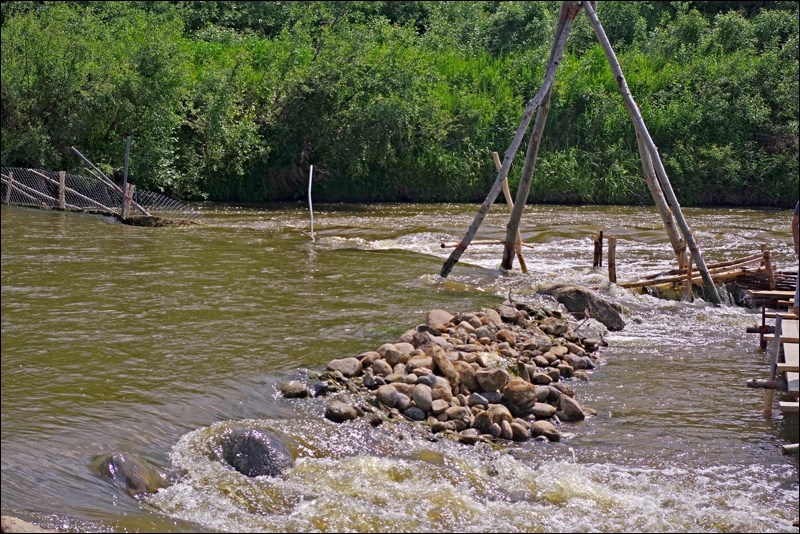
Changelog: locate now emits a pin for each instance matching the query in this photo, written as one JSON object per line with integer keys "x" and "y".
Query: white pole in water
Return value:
{"x": 310, "y": 207}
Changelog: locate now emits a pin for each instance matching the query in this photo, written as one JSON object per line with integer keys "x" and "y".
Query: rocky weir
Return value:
{"x": 496, "y": 374}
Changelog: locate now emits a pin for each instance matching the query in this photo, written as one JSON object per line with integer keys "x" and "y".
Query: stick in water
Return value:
{"x": 310, "y": 207}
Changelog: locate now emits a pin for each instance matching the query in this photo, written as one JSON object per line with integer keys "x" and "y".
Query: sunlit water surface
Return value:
{"x": 149, "y": 341}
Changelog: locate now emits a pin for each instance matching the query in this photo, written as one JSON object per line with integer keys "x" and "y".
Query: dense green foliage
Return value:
{"x": 400, "y": 100}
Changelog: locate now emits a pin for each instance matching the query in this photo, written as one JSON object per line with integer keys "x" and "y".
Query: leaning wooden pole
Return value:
{"x": 661, "y": 173}
{"x": 568, "y": 11}
{"x": 524, "y": 188}
{"x": 678, "y": 244}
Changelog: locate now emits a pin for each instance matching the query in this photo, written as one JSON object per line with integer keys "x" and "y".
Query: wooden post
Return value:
{"x": 597, "y": 260}
{"x": 310, "y": 207}
{"x": 612, "y": 260}
{"x": 126, "y": 205}
{"x": 560, "y": 38}
{"x": 10, "y": 187}
{"x": 767, "y": 266}
{"x": 123, "y": 210}
{"x": 62, "y": 184}
{"x": 661, "y": 173}
{"x": 688, "y": 282}
{"x": 510, "y": 202}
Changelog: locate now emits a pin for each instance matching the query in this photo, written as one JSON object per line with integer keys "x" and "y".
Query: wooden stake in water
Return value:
{"x": 123, "y": 210}
{"x": 310, "y": 207}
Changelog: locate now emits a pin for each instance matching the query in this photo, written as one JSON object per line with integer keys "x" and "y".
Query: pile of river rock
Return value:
{"x": 483, "y": 376}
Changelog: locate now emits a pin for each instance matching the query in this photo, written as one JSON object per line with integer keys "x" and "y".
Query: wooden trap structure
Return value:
{"x": 655, "y": 175}
{"x": 92, "y": 193}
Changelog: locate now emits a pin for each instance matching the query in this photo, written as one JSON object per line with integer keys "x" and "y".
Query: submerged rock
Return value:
{"x": 254, "y": 452}
{"x": 131, "y": 473}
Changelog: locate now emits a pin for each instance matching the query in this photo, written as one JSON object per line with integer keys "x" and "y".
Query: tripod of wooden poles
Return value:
{"x": 680, "y": 235}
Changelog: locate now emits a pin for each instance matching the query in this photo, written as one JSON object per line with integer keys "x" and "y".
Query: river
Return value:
{"x": 147, "y": 340}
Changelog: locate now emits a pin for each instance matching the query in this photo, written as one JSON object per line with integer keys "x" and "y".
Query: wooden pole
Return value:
{"x": 767, "y": 266}
{"x": 62, "y": 184}
{"x": 568, "y": 14}
{"x": 688, "y": 282}
{"x": 507, "y": 194}
{"x": 127, "y": 200}
{"x": 9, "y": 187}
{"x": 612, "y": 260}
{"x": 678, "y": 244}
{"x": 124, "y": 191}
{"x": 310, "y": 207}
{"x": 525, "y": 181}
{"x": 597, "y": 259}
{"x": 661, "y": 173}
{"x": 452, "y": 244}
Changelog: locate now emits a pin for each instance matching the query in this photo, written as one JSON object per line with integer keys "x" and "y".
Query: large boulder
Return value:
{"x": 254, "y": 452}
{"x": 131, "y": 473}
{"x": 580, "y": 300}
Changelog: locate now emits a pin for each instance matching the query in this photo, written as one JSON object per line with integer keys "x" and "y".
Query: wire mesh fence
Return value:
{"x": 62, "y": 190}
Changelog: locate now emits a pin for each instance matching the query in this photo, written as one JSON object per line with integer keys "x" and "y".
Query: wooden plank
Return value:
{"x": 791, "y": 353}
{"x": 771, "y": 293}
{"x": 784, "y": 339}
{"x": 789, "y": 407}
{"x": 789, "y": 368}
{"x": 784, "y": 315}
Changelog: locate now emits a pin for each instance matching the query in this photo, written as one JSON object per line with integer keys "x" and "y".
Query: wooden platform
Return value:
{"x": 792, "y": 357}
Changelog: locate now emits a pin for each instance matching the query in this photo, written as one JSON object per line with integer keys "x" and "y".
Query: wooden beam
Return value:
{"x": 451, "y": 244}
{"x": 789, "y": 407}
{"x": 784, "y": 339}
{"x": 771, "y": 293}
{"x": 772, "y": 315}
{"x": 788, "y": 368}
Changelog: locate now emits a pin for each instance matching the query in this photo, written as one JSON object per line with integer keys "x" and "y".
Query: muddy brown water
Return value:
{"x": 150, "y": 340}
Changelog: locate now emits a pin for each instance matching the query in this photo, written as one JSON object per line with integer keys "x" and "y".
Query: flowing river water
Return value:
{"x": 149, "y": 340}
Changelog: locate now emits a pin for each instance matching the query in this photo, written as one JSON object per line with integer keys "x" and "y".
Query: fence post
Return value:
{"x": 598, "y": 250}
{"x": 123, "y": 210}
{"x": 128, "y": 198}
{"x": 10, "y": 187}
{"x": 62, "y": 184}
{"x": 612, "y": 260}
